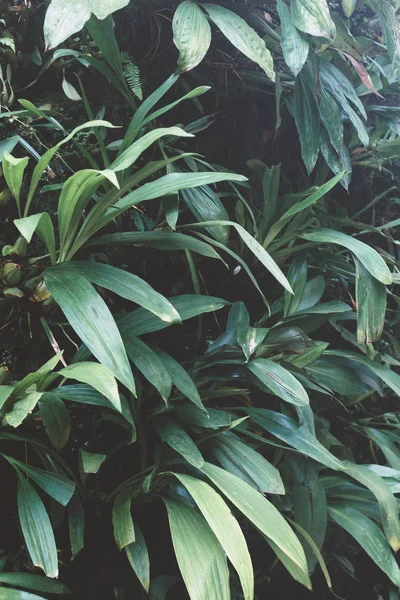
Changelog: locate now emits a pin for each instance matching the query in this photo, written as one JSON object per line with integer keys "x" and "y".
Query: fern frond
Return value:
{"x": 132, "y": 75}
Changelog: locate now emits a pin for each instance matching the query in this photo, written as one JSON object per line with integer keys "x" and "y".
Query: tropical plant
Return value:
{"x": 266, "y": 427}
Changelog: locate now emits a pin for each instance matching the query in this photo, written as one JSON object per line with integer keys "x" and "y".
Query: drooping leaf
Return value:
{"x": 76, "y": 521}
{"x": 138, "y": 557}
{"x": 180, "y": 378}
{"x": 161, "y": 240}
{"x": 96, "y": 375}
{"x": 368, "y": 257}
{"x": 259, "y": 511}
{"x": 294, "y": 44}
{"x": 247, "y": 464}
{"x": 37, "y": 583}
{"x": 279, "y": 381}
{"x": 313, "y": 17}
{"x": 242, "y": 36}
{"x": 224, "y": 526}
{"x": 124, "y": 284}
{"x": 371, "y": 305}
{"x": 192, "y": 35}
{"x": 36, "y": 529}
{"x": 142, "y": 321}
{"x": 124, "y": 531}
{"x": 369, "y": 536}
{"x": 89, "y": 315}
{"x": 66, "y": 17}
{"x": 56, "y": 419}
{"x": 177, "y": 438}
{"x": 149, "y": 364}
{"x": 305, "y": 112}
{"x": 58, "y": 487}
{"x": 200, "y": 556}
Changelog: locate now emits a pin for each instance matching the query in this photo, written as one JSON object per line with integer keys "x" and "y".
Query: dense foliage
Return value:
{"x": 200, "y": 261}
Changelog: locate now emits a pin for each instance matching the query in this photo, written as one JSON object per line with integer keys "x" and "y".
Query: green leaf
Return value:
{"x": 200, "y": 556}
{"x": 98, "y": 376}
{"x": 131, "y": 154}
{"x": 369, "y": 536}
{"x": 91, "y": 462}
{"x": 42, "y": 224}
{"x": 206, "y": 206}
{"x": 176, "y": 437}
{"x": 90, "y": 317}
{"x": 36, "y": 529}
{"x": 306, "y": 116}
{"x": 124, "y": 531}
{"x": 316, "y": 551}
{"x": 192, "y": 35}
{"x": 85, "y": 394}
{"x": 391, "y": 378}
{"x": 22, "y": 408}
{"x": 148, "y": 363}
{"x": 36, "y": 583}
{"x": 141, "y": 321}
{"x": 294, "y": 44}
{"x": 181, "y": 379}
{"x": 76, "y": 521}
{"x": 294, "y": 570}
{"x": 297, "y": 277}
{"x": 163, "y": 186}
{"x": 247, "y": 464}
{"x": 58, "y": 487}
{"x": 348, "y": 7}
{"x": 139, "y": 558}
{"x": 259, "y": 511}
{"x": 66, "y": 17}
{"x": 331, "y": 118}
{"x": 368, "y": 257}
{"x": 371, "y": 306}
{"x": 289, "y": 432}
{"x": 279, "y": 381}
{"x": 122, "y": 283}
{"x": 13, "y": 171}
{"x": 11, "y": 594}
{"x": 256, "y": 248}
{"x": 224, "y": 526}
{"x": 310, "y": 511}
{"x": 161, "y": 240}
{"x": 313, "y": 17}
{"x": 243, "y": 37}
{"x": 56, "y": 419}
{"x": 48, "y": 155}
{"x": 385, "y": 497}
{"x": 75, "y": 195}
{"x": 300, "y": 206}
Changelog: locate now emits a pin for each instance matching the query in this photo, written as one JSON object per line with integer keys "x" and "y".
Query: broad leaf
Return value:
{"x": 66, "y": 17}
{"x": 139, "y": 558}
{"x": 36, "y": 529}
{"x": 124, "y": 531}
{"x": 259, "y": 511}
{"x": 368, "y": 257}
{"x": 242, "y": 36}
{"x": 224, "y": 526}
{"x": 89, "y": 315}
{"x": 313, "y": 17}
{"x": 200, "y": 556}
{"x": 279, "y": 381}
{"x": 192, "y": 35}
{"x": 294, "y": 44}
{"x": 177, "y": 438}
